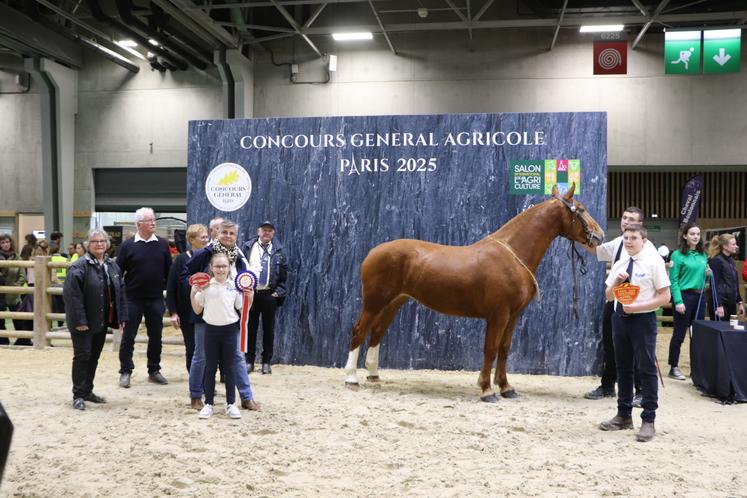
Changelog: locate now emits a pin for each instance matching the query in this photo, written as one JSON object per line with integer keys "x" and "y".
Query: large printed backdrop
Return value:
{"x": 332, "y": 187}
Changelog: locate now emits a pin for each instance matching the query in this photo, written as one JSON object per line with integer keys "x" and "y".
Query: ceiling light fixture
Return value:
{"x": 129, "y": 46}
{"x": 352, "y": 36}
{"x": 126, "y": 43}
{"x": 602, "y": 28}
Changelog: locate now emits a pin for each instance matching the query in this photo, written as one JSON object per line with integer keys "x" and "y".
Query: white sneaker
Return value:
{"x": 233, "y": 411}
{"x": 206, "y": 411}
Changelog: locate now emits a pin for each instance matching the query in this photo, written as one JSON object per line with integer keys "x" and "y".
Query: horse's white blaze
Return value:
{"x": 372, "y": 361}
{"x": 350, "y": 375}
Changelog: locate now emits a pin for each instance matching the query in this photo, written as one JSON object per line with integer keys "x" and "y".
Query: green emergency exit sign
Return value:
{"x": 721, "y": 50}
{"x": 682, "y": 52}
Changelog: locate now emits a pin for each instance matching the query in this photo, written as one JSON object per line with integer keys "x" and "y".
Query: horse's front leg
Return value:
{"x": 504, "y": 346}
{"x": 351, "y": 377}
{"x": 494, "y": 327}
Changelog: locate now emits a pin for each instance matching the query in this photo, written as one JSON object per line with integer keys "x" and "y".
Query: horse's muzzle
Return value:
{"x": 595, "y": 239}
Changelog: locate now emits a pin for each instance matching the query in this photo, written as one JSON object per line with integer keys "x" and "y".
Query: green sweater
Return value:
{"x": 687, "y": 273}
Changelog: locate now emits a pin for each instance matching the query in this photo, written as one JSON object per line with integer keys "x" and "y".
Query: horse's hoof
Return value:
{"x": 510, "y": 394}
{"x": 491, "y": 398}
{"x": 352, "y": 385}
{"x": 373, "y": 378}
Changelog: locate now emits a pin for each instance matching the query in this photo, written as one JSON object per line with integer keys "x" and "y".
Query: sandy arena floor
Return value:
{"x": 417, "y": 433}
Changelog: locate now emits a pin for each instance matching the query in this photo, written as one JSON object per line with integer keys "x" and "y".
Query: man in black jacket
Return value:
{"x": 267, "y": 260}
{"x": 95, "y": 299}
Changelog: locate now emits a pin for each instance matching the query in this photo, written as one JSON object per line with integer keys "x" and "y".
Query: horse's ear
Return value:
{"x": 569, "y": 195}
{"x": 555, "y": 192}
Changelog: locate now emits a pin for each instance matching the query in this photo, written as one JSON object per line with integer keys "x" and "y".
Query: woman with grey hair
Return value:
{"x": 95, "y": 300}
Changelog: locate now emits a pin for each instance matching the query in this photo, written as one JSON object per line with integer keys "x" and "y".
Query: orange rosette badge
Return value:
{"x": 626, "y": 293}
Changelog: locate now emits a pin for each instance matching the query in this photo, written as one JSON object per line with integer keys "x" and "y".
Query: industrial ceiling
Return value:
{"x": 175, "y": 35}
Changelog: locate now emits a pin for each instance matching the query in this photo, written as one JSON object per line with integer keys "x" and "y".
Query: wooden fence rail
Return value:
{"x": 42, "y": 316}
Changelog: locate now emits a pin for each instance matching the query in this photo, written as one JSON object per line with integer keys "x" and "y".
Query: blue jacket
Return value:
{"x": 200, "y": 262}
{"x": 278, "y": 267}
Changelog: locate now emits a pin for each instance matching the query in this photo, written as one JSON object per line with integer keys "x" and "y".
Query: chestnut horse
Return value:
{"x": 491, "y": 279}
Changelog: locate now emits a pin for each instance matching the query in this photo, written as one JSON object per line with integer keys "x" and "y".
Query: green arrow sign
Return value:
{"x": 682, "y": 52}
{"x": 721, "y": 50}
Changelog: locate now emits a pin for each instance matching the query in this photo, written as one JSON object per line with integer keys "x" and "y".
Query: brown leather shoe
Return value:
{"x": 196, "y": 403}
{"x": 251, "y": 405}
{"x": 616, "y": 423}
{"x": 647, "y": 432}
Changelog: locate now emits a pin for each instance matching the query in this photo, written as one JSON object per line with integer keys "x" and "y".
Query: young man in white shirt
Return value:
{"x": 634, "y": 330}
{"x": 611, "y": 252}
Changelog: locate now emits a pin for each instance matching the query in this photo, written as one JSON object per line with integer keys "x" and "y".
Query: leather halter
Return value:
{"x": 577, "y": 216}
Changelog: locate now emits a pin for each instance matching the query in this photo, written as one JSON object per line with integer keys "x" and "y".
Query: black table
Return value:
{"x": 718, "y": 359}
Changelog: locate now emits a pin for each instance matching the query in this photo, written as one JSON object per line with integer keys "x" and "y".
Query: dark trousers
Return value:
{"x": 188, "y": 332}
{"x": 264, "y": 305}
{"x": 693, "y": 303}
{"x": 609, "y": 367}
{"x": 153, "y": 310}
{"x": 87, "y": 348}
{"x": 635, "y": 342}
{"x": 221, "y": 344}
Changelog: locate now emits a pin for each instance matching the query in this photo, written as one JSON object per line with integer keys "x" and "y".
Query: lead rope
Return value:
{"x": 574, "y": 254}
{"x": 508, "y": 248}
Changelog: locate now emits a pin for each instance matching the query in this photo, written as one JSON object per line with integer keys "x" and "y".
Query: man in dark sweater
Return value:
{"x": 145, "y": 262}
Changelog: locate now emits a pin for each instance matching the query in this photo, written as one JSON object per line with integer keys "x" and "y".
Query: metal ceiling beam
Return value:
{"x": 313, "y": 17}
{"x": 645, "y": 27}
{"x": 568, "y": 22}
{"x": 295, "y": 26}
{"x": 271, "y": 3}
{"x": 381, "y": 25}
{"x": 263, "y": 39}
{"x": 30, "y": 38}
{"x": 482, "y": 10}
{"x": 560, "y": 22}
{"x": 469, "y": 20}
{"x": 187, "y": 22}
{"x": 457, "y": 11}
{"x": 640, "y": 7}
{"x": 207, "y": 22}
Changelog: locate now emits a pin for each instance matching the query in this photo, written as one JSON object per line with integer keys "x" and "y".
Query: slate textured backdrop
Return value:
{"x": 329, "y": 219}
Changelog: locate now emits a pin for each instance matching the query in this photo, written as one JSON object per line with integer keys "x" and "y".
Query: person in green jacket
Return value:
{"x": 688, "y": 276}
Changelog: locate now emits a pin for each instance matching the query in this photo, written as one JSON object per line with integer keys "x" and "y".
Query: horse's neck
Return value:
{"x": 530, "y": 233}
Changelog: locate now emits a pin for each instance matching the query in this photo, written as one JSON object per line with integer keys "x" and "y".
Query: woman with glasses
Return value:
{"x": 95, "y": 300}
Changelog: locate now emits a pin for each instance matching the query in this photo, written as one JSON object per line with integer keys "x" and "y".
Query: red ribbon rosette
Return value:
{"x": 199, "y": 279}
{"x": 244, "y": 281}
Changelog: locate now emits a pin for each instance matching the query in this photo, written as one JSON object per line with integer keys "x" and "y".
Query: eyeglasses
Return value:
{"x": 97, "y": 241}
{"x": 153, "y": 222}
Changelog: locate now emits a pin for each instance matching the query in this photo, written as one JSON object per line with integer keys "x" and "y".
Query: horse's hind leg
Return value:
{"x": 360, "y": 331}
{"x": 507, "y": 391}
{"x": 378, "y": 330}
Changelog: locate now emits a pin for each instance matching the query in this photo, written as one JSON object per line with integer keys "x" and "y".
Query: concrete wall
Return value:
{"x": 20, "y": 143}
{"x": 140, "y": 120}
{"x": 653, "y": 119}
{"x": 137, "y": 120}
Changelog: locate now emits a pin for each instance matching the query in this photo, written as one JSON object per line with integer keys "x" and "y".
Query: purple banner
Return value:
{"x": 690, "y": 200}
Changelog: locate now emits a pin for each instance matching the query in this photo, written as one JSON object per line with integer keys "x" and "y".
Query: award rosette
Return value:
{"x": 626, "y": 293}
{"x": 199, "y": 279}
{"x": 245, "y": 281}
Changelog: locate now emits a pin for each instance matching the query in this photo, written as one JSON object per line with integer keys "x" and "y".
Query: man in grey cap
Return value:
{"x": 267, "y": 260}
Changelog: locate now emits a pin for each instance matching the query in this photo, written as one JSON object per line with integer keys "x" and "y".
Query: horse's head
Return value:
{"x": 578, "y": 225}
